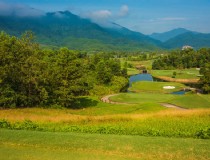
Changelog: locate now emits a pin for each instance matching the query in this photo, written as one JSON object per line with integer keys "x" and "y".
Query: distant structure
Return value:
{"x": 187, "y": 47}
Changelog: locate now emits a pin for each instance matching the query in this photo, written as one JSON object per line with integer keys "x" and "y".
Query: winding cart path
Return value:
{"x": 106, "y": 99}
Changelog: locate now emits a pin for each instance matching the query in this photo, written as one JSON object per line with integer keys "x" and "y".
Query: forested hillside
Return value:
{"x": 31, "y": 76}
{"x": 64, "y": 29}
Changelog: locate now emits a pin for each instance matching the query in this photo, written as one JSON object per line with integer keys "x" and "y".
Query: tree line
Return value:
{"x": 31, "y": 76}
{"x": 182, "y": 59}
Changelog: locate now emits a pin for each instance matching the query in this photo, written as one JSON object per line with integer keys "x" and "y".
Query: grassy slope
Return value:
{"x": 150, "y": 94}
{"x": 192, "y": 101}
{"x": 32, "y": 145}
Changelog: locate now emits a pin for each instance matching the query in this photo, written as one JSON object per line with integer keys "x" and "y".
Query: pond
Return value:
{"x": 140, "y": 77}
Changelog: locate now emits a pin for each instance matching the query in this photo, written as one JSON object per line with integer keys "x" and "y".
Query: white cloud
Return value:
{"x": 105, "y": 17}
{"x": 123, "y": 11}
{"x": 100, "y": 15}
{"x": 19, "y": 10}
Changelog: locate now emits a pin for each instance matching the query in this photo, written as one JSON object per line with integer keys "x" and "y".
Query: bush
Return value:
{"x": 203, "y": 133}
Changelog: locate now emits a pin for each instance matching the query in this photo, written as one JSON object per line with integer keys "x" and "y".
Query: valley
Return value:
{"x": 80, "y": 83}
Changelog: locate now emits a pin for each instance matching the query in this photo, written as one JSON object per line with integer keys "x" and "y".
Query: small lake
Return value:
{"x": 140, "y": 77}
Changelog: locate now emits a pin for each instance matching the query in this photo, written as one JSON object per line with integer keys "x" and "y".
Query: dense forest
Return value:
{"x": 30, "y": 76}
{"x": 187, "y": 58}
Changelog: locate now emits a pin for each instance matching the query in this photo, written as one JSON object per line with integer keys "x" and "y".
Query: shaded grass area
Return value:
{"x": 155, "y": 87}
{"x": 32, "y": 145}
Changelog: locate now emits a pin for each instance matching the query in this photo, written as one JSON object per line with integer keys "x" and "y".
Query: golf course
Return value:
{"x": 132, "y": 125}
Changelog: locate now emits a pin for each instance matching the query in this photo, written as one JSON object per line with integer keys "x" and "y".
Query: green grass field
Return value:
{"x": 155, "y": 87}
{"x": 180, "y": 74}
{"x": 151, "y": 101}
{"x": 33, "y": 145}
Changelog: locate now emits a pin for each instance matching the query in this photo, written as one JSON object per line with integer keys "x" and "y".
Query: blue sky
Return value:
{"x": 145, "y": 16}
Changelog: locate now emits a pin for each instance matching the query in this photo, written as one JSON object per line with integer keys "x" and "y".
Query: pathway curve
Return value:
{"x": 168, "y": 105}
{"x": 106, "y": 99}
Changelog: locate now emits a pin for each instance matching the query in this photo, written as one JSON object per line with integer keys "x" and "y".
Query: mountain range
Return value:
{"x": 165, "y": 36}
{"x": 64, "y": 29}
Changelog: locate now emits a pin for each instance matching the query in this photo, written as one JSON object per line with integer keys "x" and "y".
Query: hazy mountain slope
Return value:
{"x": 66, "y": 29}
{"x": 163, "y": 37}
{"x": 196, "y": 40}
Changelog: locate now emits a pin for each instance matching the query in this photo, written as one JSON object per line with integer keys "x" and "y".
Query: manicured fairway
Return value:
{"x": 33, "y": 145}
{"x": 152, "y": 101}
{"x": 155, "y": 87}
{"x": 192, "y": 101}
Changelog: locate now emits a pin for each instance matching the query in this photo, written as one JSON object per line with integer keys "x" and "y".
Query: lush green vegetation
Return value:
{"x": 31, "y": 76}
{"x": 187, "y": 58}
{"x": 171, "y": 123}
{"x": 205, "y": 79}
{"x": 65, "y": 86}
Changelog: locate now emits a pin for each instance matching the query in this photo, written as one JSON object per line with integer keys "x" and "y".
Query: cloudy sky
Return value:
{"x": 145, "y": 16}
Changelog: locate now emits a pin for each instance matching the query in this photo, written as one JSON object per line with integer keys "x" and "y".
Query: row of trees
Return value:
{"x": 30, "y": 76}
{"x": 183, "y": 59}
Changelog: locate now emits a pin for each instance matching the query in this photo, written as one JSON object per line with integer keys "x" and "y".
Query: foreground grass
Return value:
{"x": 167, "y": 123}
{"x": 33, "y": 145}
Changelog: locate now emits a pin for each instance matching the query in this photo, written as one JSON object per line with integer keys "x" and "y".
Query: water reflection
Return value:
{"x": 140, "y": 77}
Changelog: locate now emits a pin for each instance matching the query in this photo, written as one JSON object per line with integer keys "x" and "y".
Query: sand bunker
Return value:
{"x": 169, "y": 87}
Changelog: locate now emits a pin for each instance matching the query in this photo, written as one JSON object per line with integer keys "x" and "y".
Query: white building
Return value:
{"x": 187, "y": 47}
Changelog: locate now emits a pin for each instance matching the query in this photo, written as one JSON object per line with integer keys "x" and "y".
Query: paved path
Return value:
{"x": 107, "y": 100}
{"x": 167, "y": 105}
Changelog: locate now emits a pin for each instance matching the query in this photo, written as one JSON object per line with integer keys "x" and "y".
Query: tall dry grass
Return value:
{"x": 56, "y": 116}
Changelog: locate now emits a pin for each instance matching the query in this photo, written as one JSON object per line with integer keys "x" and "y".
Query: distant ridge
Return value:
{"x": 196, "y": 40}
{"x": 163, "y": 37}
{"x": 64, "y": 29}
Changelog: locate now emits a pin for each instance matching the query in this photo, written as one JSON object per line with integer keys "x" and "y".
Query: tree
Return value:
{"x": 205, "y": 80}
